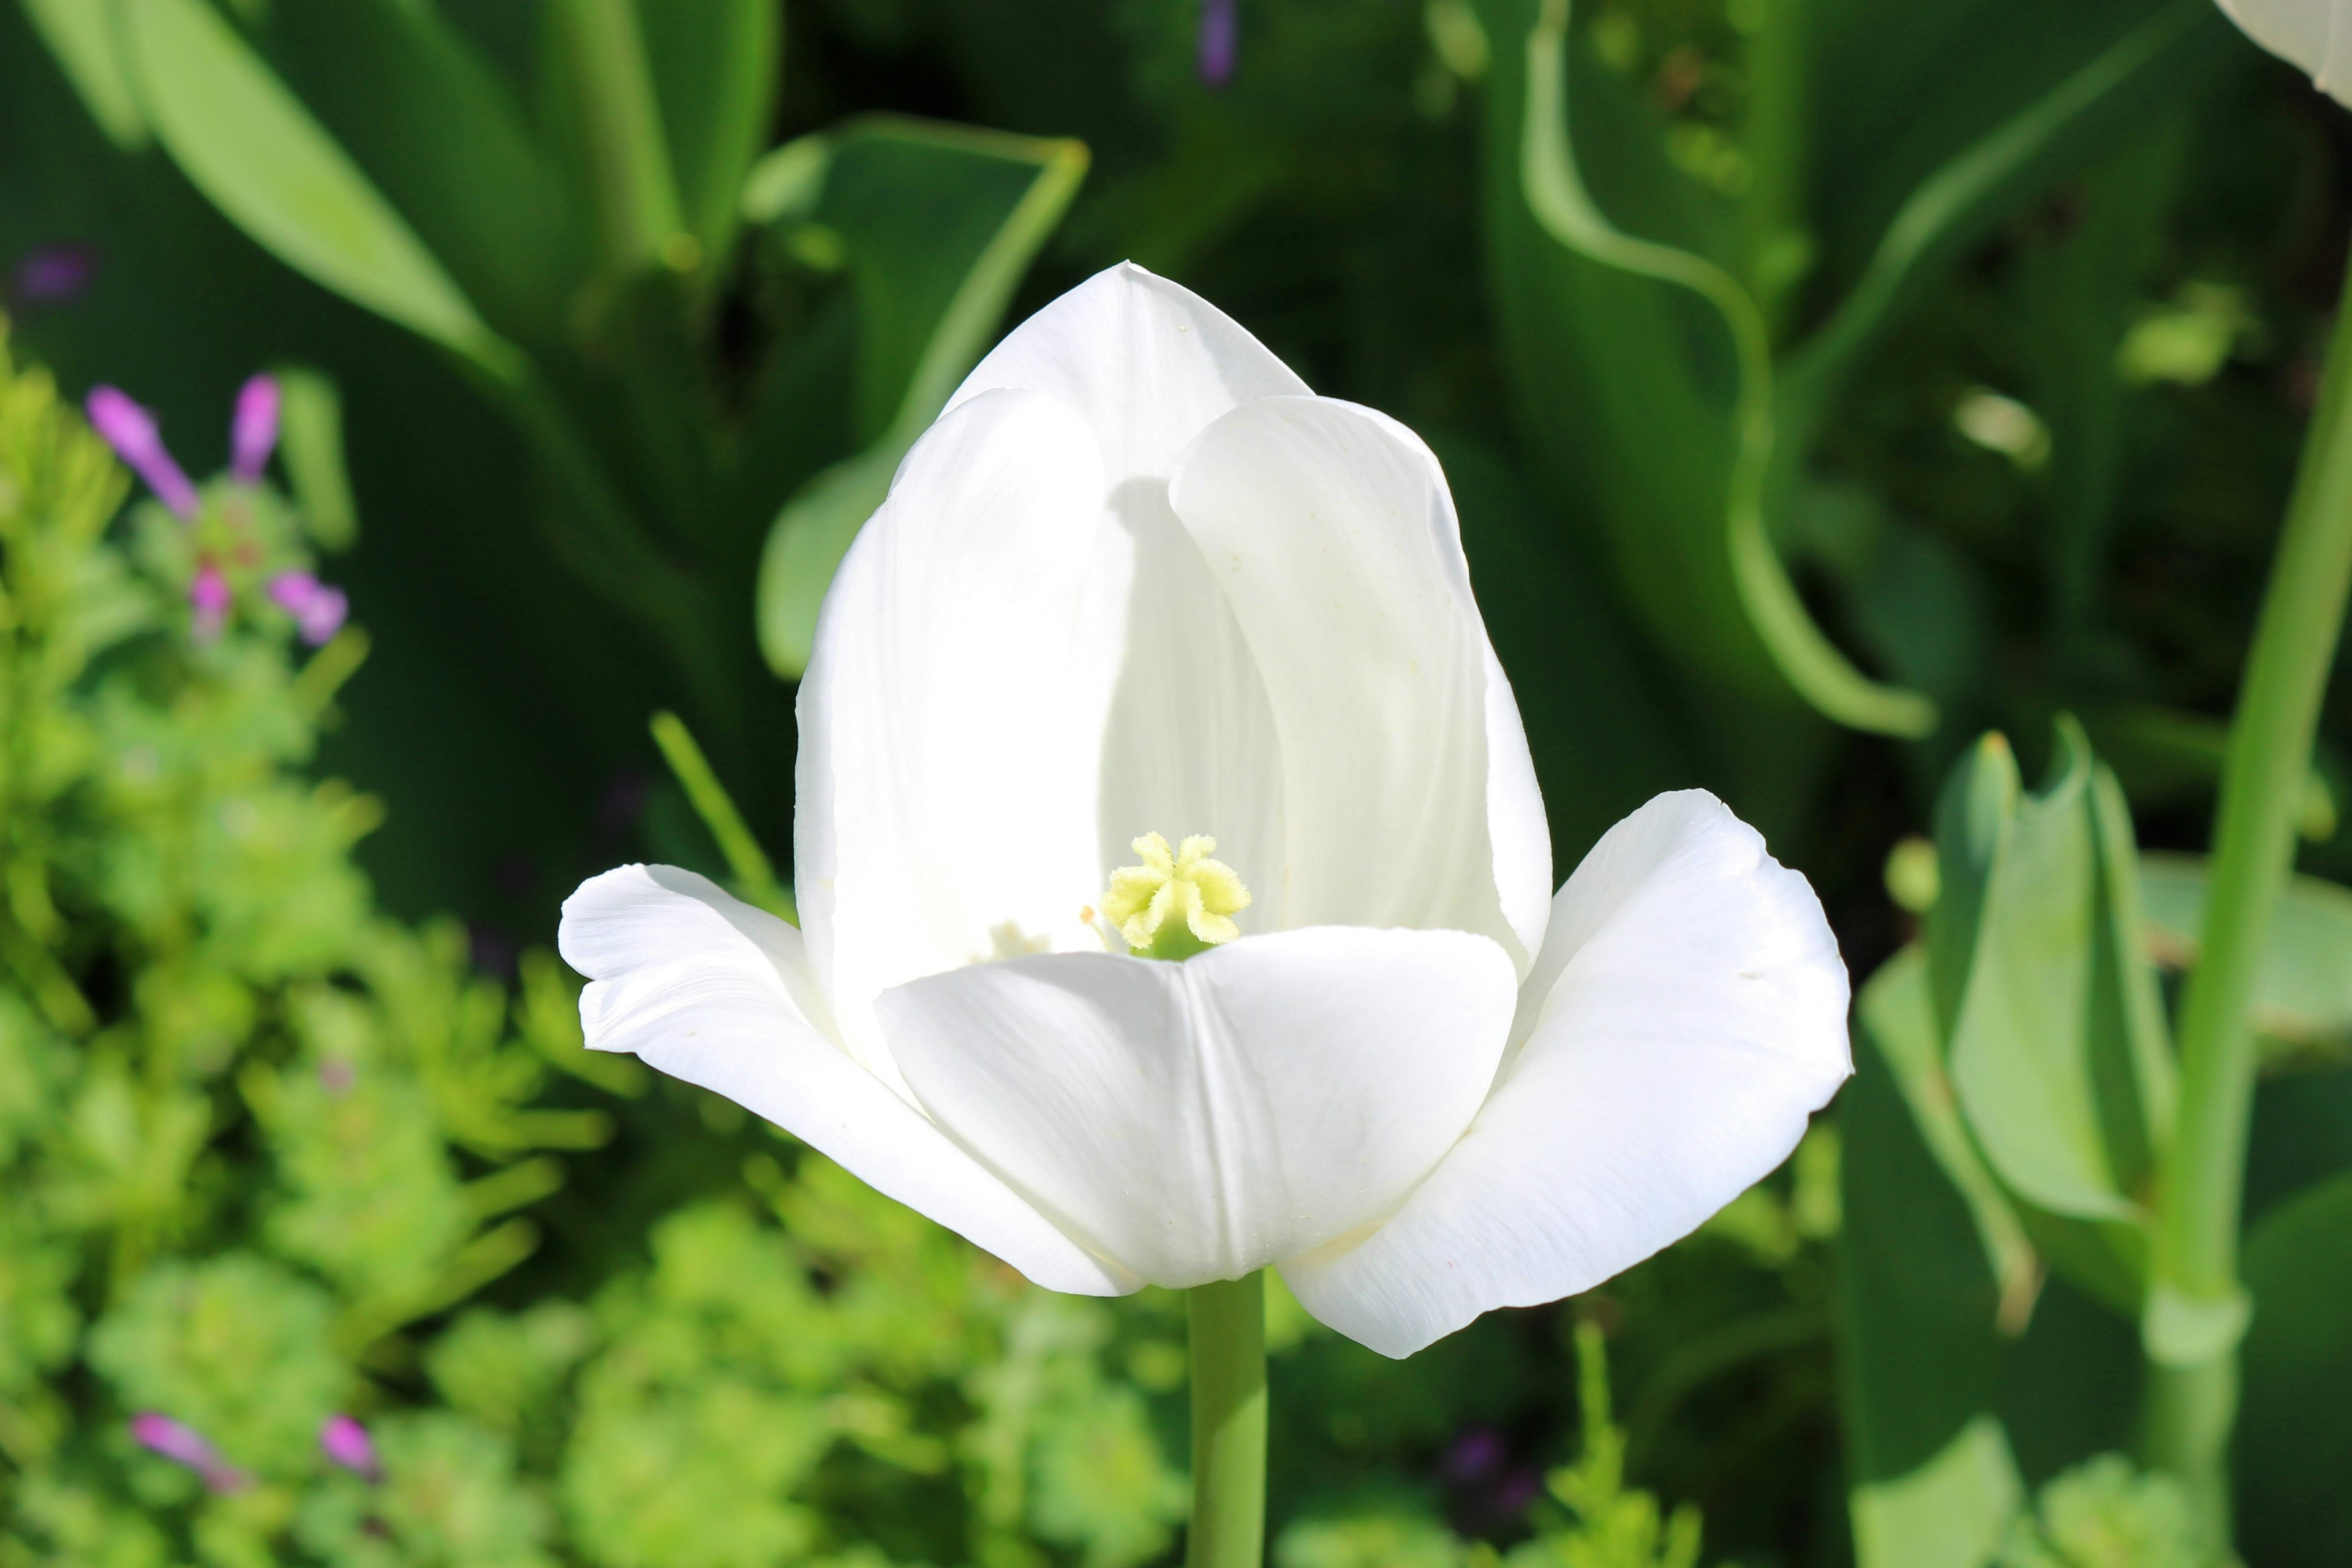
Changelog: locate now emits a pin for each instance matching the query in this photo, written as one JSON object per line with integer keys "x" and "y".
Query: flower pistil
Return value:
{"x": 1177, "y": 903}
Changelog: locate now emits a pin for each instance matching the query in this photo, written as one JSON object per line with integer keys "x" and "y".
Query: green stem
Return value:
{"x": 1228, "y": 1339}
{"x": 1773, "y": 214}
{"x": 620, "y": 125}
{"x": 755, "y": 872}
{"x": 2196, "y": 1307}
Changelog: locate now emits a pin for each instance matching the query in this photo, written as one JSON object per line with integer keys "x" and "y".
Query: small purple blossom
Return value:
{"x": 184, "y": 1445}
{"x": 318, "y": 609}
{"x": 345, "y": 1442}
{"x": 1220, "y": 41}
{"x": 130, "y": 431}
{"x": 336, "y": 1077}
{"x": 253, "y": 435}
{"x": 54, "y": 275}
{"x": 1474, "y": 1455}
{"x": 210, "y": 595}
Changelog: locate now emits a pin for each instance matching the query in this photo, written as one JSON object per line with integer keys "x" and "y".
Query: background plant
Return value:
{"x": 2031, "y": 299}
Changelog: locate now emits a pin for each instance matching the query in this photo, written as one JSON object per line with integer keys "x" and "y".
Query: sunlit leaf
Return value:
{"x": 249, "y": 146}
{"x": 941, "y": 222}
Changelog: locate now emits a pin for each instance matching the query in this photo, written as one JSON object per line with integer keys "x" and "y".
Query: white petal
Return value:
{"x": 1409, "y": 798}
{"x": 951, "y": 718}
{"x": 711, "y": 990}
{"x": 1148, "y": 362}
{"x": 1686, "y": 1016}
{"x": 1195, "y": 1120}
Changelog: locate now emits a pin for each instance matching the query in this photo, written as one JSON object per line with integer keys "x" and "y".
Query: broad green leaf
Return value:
{"x": 2152, "y": 63}
{"x": 1936, "y": 1350}
{"x": 1918, "y": 1303}
{"x": 1896, "y": 1014}
{"x": 2294, "y": 1447}
{"x": 259, "y": 156}
{"x": 2036, "y": 1025}
{"x": 1973, "y": 816}
{"x": 1901, "y": 92}
{"x": 715, "y": 65}
{"x": 1953, "y": 1511}
{"x": 2303, "y": 992}
{"x": 1555, "y": 190}
{"x": 438, "y": 133}
{"x": 88, "y": 44}
{"x": 601, "y": 106}
{"x": 939, "y": 223}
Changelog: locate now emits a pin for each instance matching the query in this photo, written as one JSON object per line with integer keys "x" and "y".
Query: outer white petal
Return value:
{"x": 2316, "y": 35}
{"x": 711, "y": 990}
{"x": 1686, "y": 1016}
{"x": 1148, "y": 362}
{"x": 1331, "y": 532}
{"x": 1195, "y": 1120}
{"x": 951, "y": 718}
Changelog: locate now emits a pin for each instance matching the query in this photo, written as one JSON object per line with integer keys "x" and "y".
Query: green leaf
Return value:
{"x": 1953, "y": 1511}
{"x": 438, "y": 133}
{"x": 1973, "y": 816}
{"x": 715, "y": 65}
{"x": 939, "y": 223}
{"x": 259, "y": 155}
{"x": 1919, "y": 1351}
{"x": 1896, "y": 1015}
{"x": 2152, "y": 63}
{"x": 2042, "y": 1018}
{"x": 2295, "y": 1439}
{"x": 88, "y": 44}
{"x": 1554, "y": 189}
{"x": 2303, "y": 992}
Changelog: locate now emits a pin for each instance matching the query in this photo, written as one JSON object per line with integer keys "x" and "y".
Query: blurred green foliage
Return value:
{"x": 630, "y": 327}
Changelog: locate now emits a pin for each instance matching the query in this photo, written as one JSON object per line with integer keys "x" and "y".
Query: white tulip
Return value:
{"x": 1137, "y": 580}
{"x": 2314, "y": 36}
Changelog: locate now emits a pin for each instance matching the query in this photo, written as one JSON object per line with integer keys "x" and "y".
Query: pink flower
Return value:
{"x": 253, "y": 435}
{"x": 130, "y": 431}
{"x": 318, "y": 609}
{"x": 184, "y": 1445}
{"x": 345, "y": 1442}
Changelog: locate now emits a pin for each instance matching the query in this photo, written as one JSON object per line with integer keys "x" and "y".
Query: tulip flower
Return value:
{"x": 1138, "y": 587}
{"x": 2314, "y": 36}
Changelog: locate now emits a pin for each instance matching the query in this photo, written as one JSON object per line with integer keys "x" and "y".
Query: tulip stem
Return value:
{"x": 1228, "y": 1345}
{"x": 2192, "y": 1393}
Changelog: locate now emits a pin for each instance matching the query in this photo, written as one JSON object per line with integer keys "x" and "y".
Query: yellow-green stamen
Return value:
{"x": 1177, "y": 903}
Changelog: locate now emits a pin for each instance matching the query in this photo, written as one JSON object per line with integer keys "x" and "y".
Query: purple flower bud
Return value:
{"x": 54, "y": 275}
{"x": 344, "y": 1441}
{"x": 253, "y": 435}
{"x": 318, "y": 609}
{"x": 210, "y": 595}
{"x": 1477, "y": 1454}
{"x": 1220, "y": 41}
{"x": 130, "y": 431}
{"x": 184, "y": 1445}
